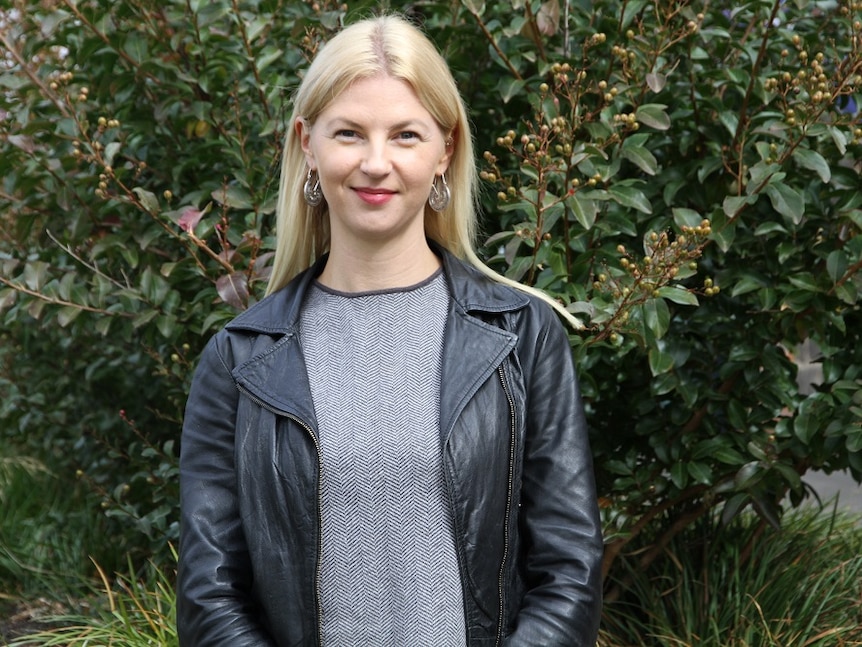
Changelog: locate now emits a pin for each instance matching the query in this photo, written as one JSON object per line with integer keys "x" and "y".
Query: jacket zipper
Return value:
{"x": 508, "y": 503}
{"x": 310, "y": 431}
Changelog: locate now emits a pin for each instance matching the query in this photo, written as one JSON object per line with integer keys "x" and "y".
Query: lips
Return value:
{"x": 373, "y": 195}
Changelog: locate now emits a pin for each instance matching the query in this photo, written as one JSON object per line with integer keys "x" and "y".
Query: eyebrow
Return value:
{"x": 401, "y": 125}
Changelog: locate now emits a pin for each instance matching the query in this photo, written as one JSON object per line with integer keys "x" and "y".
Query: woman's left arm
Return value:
{"x": 561, "y": 543}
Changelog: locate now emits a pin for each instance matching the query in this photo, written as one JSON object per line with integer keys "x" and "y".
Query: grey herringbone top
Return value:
{"x": 389, "y": 572}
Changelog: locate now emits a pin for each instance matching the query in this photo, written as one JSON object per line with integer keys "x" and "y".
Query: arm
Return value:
{"x": 214, "y": 603}
{"x": 562, "y": 544}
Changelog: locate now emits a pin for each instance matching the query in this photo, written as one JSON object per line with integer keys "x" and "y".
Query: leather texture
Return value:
{"x": 516, "y": 457}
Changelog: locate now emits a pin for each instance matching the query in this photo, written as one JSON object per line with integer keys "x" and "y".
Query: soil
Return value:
{"x": 19, "y": 619}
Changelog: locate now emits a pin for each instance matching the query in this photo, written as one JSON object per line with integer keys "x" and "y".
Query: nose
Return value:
{"x": 376, "y": 161}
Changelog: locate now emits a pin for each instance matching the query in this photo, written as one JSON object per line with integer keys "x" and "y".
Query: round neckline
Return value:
{"x": 365, "y": 293}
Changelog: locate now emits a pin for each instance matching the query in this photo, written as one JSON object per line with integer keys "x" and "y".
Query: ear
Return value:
{"x": 449, "y": 141}
{"x": 303, "y": 133}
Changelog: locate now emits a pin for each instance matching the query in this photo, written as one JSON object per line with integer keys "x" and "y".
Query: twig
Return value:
{"x": 494, "y": 44}
{"x": 90, "y": 266}
{"x": 59, "y": 302}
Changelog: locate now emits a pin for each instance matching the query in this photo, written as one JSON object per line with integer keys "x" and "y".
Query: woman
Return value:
{"x": 390, "y": 448}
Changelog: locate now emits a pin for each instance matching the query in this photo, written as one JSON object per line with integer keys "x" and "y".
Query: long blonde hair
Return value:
{"x": 392, "y": 46}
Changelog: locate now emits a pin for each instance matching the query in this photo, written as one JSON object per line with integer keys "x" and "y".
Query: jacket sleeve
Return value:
{"x": 561, "y": 529}
{"x": 214, "y": 601}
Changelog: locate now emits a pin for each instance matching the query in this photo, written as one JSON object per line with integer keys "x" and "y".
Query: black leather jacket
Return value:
{"x": 516, "y": 460}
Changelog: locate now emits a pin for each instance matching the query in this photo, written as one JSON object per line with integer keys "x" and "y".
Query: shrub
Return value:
{"x": 721, "y": 586}
{"x": 684, "y": 178}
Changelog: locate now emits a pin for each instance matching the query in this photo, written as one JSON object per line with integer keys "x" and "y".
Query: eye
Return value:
{"x": 408, "y": 136}
{"x": 346, "y": 133}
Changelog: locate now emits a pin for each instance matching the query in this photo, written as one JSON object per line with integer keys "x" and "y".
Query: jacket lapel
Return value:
{"x": 278, "y": 379}
{"x": 472, "y": 347}
{"x": 472, "y": 350}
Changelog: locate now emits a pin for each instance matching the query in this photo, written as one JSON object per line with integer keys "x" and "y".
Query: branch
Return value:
{"x": 59, "y": 302}
{"x": 19, "y": 59}
{"x": 92, "y": 267}
{"x": 761, "y": 54}
{"x": 493, "y": 42}
{"x": 613, "y": 549}
{"x": 658, "y": 547}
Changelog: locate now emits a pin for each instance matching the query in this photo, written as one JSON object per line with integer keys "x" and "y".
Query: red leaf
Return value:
{"x": 233, "y": 290}
{"x": 189, "y": 218}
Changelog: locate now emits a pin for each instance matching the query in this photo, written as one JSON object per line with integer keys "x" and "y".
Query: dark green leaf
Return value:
{"x": 653, "y": 115}
{"x": 813, "y": 161}
{"x": 787, "y": 201}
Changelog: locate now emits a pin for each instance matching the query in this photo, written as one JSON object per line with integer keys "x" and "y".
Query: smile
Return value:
{"x": 374, "y": 196}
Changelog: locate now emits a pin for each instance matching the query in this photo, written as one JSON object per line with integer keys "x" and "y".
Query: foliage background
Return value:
{"x": 685, "y": 177}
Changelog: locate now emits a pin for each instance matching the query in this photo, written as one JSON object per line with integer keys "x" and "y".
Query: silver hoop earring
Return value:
{"x": 440, "y": 195}
{"x": 311, "y": 189}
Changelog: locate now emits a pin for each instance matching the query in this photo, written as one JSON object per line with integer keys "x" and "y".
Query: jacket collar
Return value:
{"x": 473, "y": 347}
{"x": 471, "y": 291}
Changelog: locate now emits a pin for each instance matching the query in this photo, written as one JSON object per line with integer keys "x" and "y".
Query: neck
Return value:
{"x": 356, "y": 268}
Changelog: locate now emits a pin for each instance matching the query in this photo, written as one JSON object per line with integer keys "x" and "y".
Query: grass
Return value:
{"x": 799, "y": 587}
{"x": 135, "y": 610}
{"x": 49, "y": 530}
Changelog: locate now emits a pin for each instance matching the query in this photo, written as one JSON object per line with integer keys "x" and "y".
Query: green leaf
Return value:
{"x": 640, "y": 157}
{"x": 756, "y": 451}
{"x": 631, "y": 9}
{"x": 630, "y": 197}
{"x": 804, "y": 427}
{"x": 111, "y": 151}
{"x": 700, "y": 472}
{"x": 584, "y": 210}
{"x": 678, "y": 295}
{"x": 723, "y": 230}
{"x": 733, "y": 204}
{"x": 786, "y": 201}
{"x": 269, "y": 56}
{"x": 683, "y": 217}
{"x": 770, "y": 228}
{"x": 839, "y": 139}
{"x": 790, "y": 475}
{"x": 656, "y": 316}
{"x": 653, "y": 115}
{"x": 135, "y": 45}
{"x": 847, "y": 293}
{"x": 35, "y": 273}
{"x": 679, "y": 475}
{"x": 659, "y": 362}
{"x": 804, "y": 281}
{"x": 728, "y": 456}
{"x": 656, "y": 81}
{"x": 167, "y": 326}
{"x": 749, "y": 475}
{"x": 730, "y": 120}
{"x": 762, "y": 174}
{"x": 235, "y": 197}
{"x": 508, "y": 88}
{"x": 836, "y": 264}
{"x": 745, "y": 285}
{"x": 813, "y": 161}
{"x": 732, "y": 507}
{"x": 66, "y": 315}
{"x": 148, "y": 200}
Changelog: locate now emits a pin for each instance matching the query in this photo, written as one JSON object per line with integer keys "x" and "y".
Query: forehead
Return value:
{"x": 378, "y": 97}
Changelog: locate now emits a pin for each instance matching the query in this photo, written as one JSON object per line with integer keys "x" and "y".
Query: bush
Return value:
{"x": 687, "y": 183}
{"x": 721, "y": 586}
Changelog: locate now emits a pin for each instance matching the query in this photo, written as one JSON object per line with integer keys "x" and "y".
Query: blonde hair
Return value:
{"x": 387, "y": 45}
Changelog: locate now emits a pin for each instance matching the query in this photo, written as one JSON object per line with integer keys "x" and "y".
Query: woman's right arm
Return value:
{"x": 214, "y": 601}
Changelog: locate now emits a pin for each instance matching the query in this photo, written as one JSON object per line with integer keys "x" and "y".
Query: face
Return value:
{"x": 377, "y": 151}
